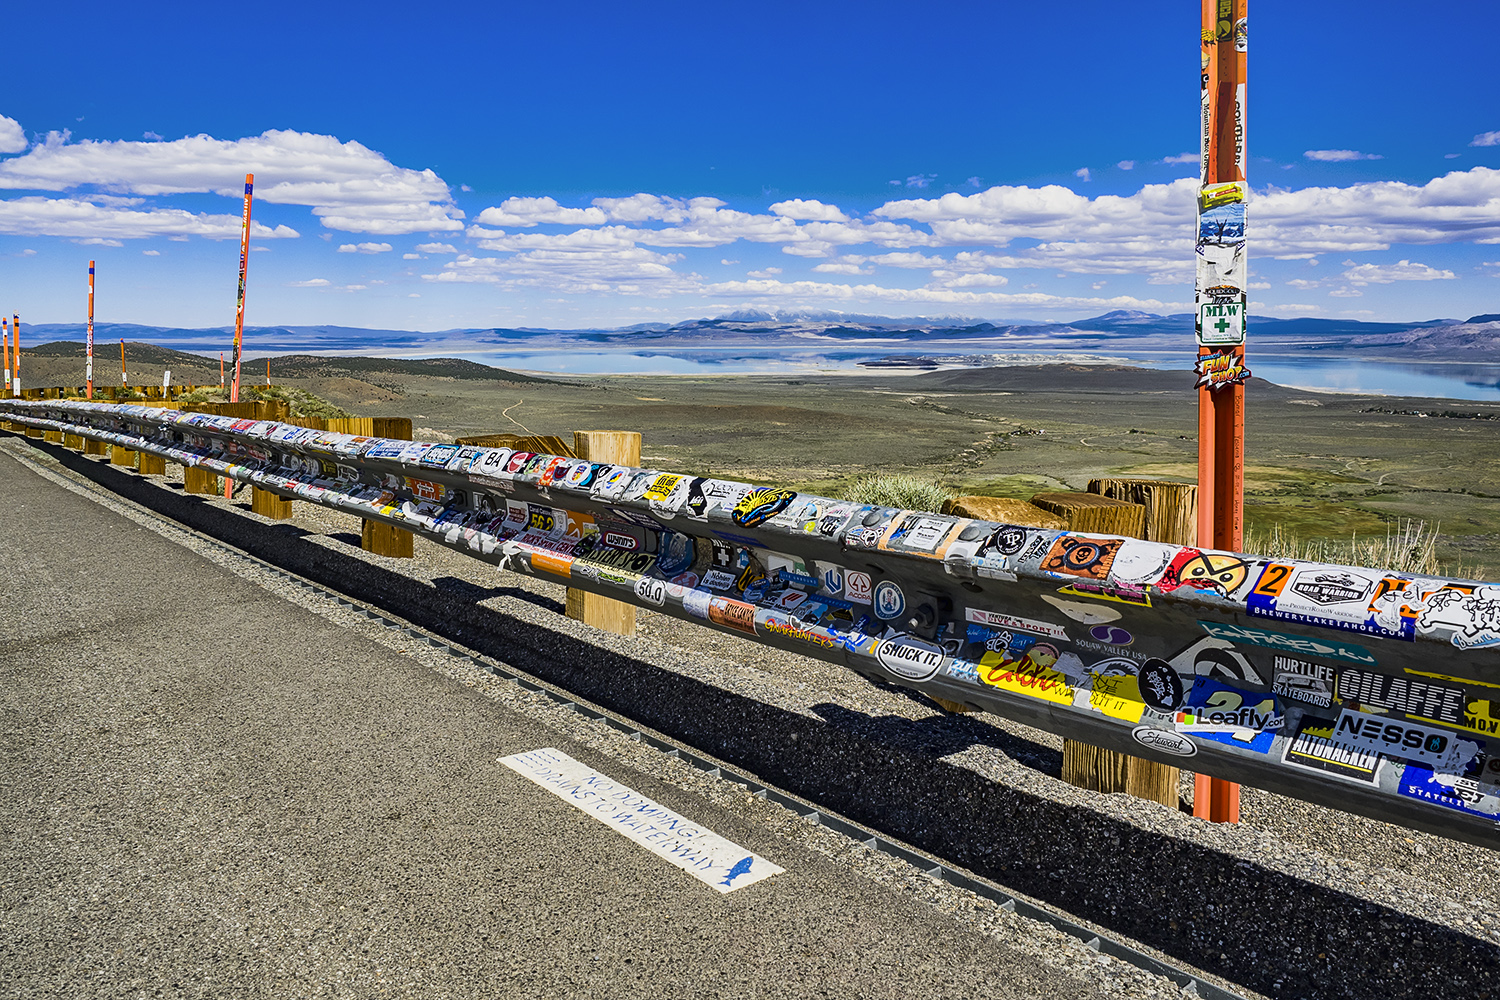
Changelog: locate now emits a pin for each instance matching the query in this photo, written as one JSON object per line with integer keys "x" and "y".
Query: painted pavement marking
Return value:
{"x": 701, "y": 853}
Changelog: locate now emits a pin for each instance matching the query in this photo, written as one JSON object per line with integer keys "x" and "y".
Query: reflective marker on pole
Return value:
{"x": 1222, "y": 283}
{"x": 88, "y": 364}
{"x": 239, "y": 309}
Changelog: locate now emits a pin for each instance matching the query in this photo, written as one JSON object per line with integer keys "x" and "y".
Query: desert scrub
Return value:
{"x": 301, "y": 402}
{"x": 906, "y": 492}
{"x": 1408, "y": 547}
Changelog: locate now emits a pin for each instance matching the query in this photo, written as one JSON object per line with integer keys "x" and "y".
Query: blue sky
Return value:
{"x": 608, "y": 164}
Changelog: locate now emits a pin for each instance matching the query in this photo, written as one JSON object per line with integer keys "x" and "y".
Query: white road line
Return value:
{"x": 701, "y": 853}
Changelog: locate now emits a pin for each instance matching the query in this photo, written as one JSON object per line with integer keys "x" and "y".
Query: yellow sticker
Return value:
{"x": 662, "y": 486}
{"x": 1030, "y": 675}
{"x": 1117, "y": 696}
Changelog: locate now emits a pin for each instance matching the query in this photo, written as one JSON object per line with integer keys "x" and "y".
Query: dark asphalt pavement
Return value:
{"x": 209, "y": 791}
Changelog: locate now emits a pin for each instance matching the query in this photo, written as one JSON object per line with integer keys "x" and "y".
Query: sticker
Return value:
{"x": 1221, "y": 573}
{"x": 662, "y": 486}
{"x": 1465, "y": 793}
{"x": 732, "y": 614}
{"x": 888, "y": 602}
{"x": 917, "y": 532}
{"x": 1030, "y": 675}
{"x": 1160, "y": 687}
{"x": 1471, "y": 612}
{"x": 1112, "y": 635}
{"x": 1088, "y": 614}
{"x": 696, "y": 603}
{"x": 1164, "y": 741}
{"x": 1222, "y": 324}
{"x": 858, "y": 587}
{"x": 1421, "y": 699}
{"x": 996, "y": 619}
{"x": 1079, "y": 555}
{"x": 1303, "y": 680}
{"x": 1221, "y": 368}
{"x": 651, "y": 590}
{"x": 703, "y": 854}
{"x": 676, "y": 552}
{"x": 790, "y": 628}
{"x": 1245, "y": 635}
{"x": 1315, "y": 748}
{"x": 761, "y": 505}
{"x": 1442, "y": 750}
{"x": 717, "y": 579}
{"x": 1116, "y": 695}
{"x": 910, "y": 658}
{"x": 833, "y": 580}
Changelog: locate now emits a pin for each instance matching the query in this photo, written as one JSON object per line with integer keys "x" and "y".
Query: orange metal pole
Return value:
{"x": 5, "y": 347}
{"x": 15, "y": 348}
{"x": 268, "y": 373}
{"x": 1221, "y": 297}
{"x": 123, "y": 380}
{"x": 88, "y": 363}
{"x": 239, "y": 309}
{"x": 221, "y": 369}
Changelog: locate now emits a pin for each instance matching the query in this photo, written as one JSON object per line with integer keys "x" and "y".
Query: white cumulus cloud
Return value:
{"x": 809, "y": 210}
{"x": 1486, "y": 139}
{"x": 348, "y": 186}
{"x": 310, "y": 283}
{"x": 1384, "y": 274}
{"x": 527, "y": 212}
{"x": 1340, "y": 155}
{"x": 365, "y": 248}
{"x": 76, "y": 217}
{"x": 12, "y": 136}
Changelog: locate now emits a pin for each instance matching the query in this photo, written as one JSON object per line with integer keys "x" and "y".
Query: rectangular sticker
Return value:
{"x": 1438, "y": 748}
{"x": 1315, "y": 748}
{"x": 701, "y": 853}
{"x": 995, "y": 619}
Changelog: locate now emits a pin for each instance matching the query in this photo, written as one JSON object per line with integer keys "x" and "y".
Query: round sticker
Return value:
{"x": 889, "y": 602}
{"x": 1160, "y": 686}
{"x": 1112, "y": 634}
{"x": 909, "y": 658}
{"x": 677, "y": 553}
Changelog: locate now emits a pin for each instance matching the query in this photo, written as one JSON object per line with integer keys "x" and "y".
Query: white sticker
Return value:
{"x": 701, "y": 853}
{"x": 995, "y": 619}
{"x": 857, "y": 587}
{"x": 717, "y": 579}
{"x": 651, "y": 591}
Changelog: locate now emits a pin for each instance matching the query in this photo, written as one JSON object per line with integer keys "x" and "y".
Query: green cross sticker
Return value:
{"x": 1221, "y": 324}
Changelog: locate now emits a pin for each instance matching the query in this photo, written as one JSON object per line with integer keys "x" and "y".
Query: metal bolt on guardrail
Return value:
{"x": 1360, "y": 689}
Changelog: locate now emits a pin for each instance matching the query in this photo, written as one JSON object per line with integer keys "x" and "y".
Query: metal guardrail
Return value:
{"x": 1364, "y": 690}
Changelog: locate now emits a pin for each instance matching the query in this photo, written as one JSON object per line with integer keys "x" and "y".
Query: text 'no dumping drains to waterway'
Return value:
{"x": 701, "y": 853}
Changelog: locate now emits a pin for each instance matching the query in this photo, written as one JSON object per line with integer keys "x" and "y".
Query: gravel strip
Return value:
{"x": 1297, "y": 900}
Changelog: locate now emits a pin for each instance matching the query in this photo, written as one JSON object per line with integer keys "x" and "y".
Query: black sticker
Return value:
{"x": 1160, "y": 686}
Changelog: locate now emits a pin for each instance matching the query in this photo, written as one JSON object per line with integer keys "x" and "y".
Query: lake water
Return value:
{"x": 1443, "y": 381}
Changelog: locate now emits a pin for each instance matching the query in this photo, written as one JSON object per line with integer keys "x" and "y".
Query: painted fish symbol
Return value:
{"x": 741, "y": 867}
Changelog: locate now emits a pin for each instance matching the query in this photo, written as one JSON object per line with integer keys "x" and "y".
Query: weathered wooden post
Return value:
{"x": 377, "y": 537}
{"x": 616, "y": 448}
{"x": 1089, "y": 766}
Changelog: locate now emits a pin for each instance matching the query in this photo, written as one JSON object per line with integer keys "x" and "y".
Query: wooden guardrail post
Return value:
{"x": 121, "y": 456}
{"x": 53, "y": 437}
{"x": 616, "y": 448}
{"x": 1088, "y": 766}
{"x": 377, "y": 537}
{"x": 92, "y": 447}
{"x": 73, "y": 441}
{"x": 196, "y": 479}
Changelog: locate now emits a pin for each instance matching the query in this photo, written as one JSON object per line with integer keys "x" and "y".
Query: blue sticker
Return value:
{"x": 833, "y": 580}
{"x": 1462, "y": 793}
{"x": 888, "y": 601}
{"x": 677, "y": 553}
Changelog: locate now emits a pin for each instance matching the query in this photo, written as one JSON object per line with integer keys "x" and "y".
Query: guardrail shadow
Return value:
{"x": 1271, "y": 932}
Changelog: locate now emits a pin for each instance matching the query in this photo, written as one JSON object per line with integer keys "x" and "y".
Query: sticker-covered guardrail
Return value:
{"x": 1364, "y": 690}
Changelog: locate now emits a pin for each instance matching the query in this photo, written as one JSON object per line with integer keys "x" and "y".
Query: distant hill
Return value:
{"x": 1071, "y": 378}
{"x": 318, "y": 366}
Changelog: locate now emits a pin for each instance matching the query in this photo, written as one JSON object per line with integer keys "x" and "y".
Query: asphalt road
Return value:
{"x": 210, "y": 791}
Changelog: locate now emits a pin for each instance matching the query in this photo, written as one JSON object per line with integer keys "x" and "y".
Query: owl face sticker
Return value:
{"x": 1220, "y": 572}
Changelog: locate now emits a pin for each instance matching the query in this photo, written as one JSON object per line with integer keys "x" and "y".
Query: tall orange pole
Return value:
{"x": 88, "y": 364}
{"x": 123, "y": 380}
{"x": 5, "y": 348}
{"x": 221, "y": 369}
{"x": 239, "y": 310}
{"x": 268, "y": 373}
{"x": 1222, "y": 283}
{"x": 15, "y": 349}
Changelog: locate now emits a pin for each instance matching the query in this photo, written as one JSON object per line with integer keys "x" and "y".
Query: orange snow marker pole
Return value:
{"x": 123, "y": 380}
{"x": 5, "y": 350}
{"x": 221, "y": 369}
{"x": 239, "y": 309}
{"x": 88, "y": 362}
{"x": 268, "y": 373}
{"x": 1222, "y": 283}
